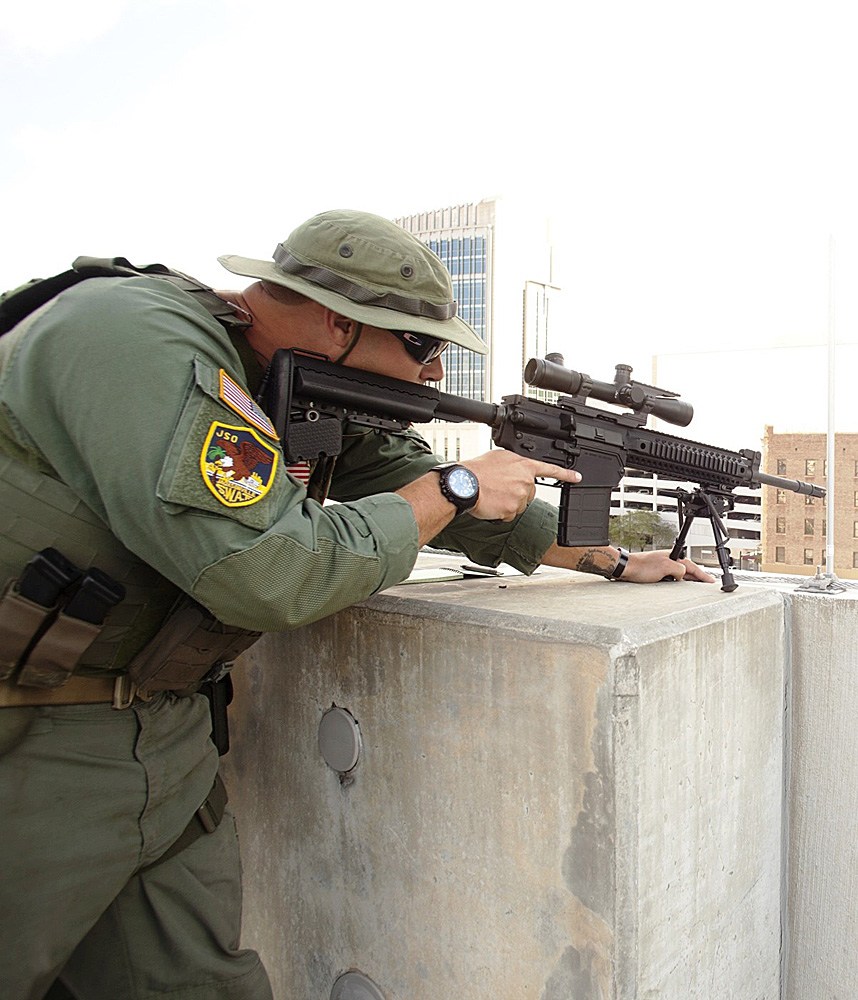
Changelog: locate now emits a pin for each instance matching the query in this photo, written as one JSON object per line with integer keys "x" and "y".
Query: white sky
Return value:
{"x": 700, "y": 157}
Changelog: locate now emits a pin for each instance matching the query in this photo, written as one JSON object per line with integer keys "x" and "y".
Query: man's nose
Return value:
{"x": 434, "y": 371}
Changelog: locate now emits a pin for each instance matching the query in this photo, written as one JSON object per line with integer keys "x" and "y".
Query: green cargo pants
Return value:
{"x": 89, "y": 796}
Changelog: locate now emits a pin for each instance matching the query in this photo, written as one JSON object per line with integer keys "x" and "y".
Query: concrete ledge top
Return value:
{"x": 562, "y": 605}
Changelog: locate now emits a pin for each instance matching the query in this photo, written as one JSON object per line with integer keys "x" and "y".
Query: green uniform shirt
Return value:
{"x": 134, "y": 396}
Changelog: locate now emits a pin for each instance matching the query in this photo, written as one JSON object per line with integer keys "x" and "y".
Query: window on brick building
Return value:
{"x": 782, "y": 467}
{"x": 855, "y": 560}
{"x": 780, "y": 554}
{"x": 780, "y": 526}
{"x": 808, "y": 525}
{"x": 780, "y": 497}
{"x": 810, "y": 466}
{"x": 808, "y": 557}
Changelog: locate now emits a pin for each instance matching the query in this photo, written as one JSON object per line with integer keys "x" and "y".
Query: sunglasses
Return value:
{"x": 423, "y": 348}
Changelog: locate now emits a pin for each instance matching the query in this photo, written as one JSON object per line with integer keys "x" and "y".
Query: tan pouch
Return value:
{"x": 20, "y": 622}
{"x": 56, "y": 654}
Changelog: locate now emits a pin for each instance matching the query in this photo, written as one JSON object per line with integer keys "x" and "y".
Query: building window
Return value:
{"x": 855, "y": 560}
{"x": 855, "y": 529}
{"x": 782, "y": 467}
{"x": 466, "y": 260}
{"x": 780, "y": 497}
{"x": 825, "y": 467}
{"x": 810, "y": 467}
{"x": 780, "y": 526}
{"x": 808, "y": 525}
{"x": 808, "y": 557}
{"x": 780, "y": 554}
{"x": 810, "y": 500}
{"x": 855, "y": 499}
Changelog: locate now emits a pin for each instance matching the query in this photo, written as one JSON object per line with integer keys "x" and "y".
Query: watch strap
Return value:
{"x": 622, "y": 562}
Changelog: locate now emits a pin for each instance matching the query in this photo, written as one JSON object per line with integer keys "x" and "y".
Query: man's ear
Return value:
{"x": 340, "y": 328}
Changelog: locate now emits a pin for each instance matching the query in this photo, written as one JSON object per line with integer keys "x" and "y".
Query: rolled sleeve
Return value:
{"x": 281, "y": 582}
{"x": 521, "y": 544}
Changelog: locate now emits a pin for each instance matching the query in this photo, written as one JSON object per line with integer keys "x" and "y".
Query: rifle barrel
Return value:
{"x": 795, "y": 485}
{"x": 457, "y": 409}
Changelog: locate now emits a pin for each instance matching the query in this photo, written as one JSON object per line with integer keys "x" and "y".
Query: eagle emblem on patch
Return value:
{"x": 237, "y": 465}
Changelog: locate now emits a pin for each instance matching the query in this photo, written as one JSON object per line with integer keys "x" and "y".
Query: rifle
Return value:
{"x": 308, "y": 398}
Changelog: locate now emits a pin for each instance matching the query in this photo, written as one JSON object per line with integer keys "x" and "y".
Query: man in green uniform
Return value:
{"x": 149, "y": 528}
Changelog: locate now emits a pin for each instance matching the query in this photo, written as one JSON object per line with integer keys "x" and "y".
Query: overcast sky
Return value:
{"x": 700, "y": 157}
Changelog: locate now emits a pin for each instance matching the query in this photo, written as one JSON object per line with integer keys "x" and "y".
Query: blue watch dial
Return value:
{"x": 463, "y": 482}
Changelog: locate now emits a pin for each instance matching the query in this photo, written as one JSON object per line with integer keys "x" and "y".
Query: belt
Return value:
{"x": 77, "y": 690}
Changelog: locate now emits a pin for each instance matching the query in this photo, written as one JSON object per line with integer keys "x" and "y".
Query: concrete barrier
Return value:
{"x": 565, "y": 788}
{"x": 822, "y": 862}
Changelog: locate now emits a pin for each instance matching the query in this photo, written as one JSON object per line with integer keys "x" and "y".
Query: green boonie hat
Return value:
{"x": 368, "y": 269}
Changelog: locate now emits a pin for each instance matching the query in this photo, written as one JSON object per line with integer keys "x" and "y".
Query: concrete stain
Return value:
{"x": 572, "y": 978}
{"x": 588, "y": 864}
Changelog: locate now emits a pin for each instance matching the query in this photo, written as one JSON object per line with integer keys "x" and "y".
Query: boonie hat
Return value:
{"x": 367, "y": 269}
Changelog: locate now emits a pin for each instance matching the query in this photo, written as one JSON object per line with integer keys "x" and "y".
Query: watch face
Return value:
{"x": 463, "y": 482}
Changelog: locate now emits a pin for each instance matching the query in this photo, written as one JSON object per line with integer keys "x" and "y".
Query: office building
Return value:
{"x": 499, "y": 255}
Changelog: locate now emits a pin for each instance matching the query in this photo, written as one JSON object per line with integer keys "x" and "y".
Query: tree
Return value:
{"x": 641, "y": 529}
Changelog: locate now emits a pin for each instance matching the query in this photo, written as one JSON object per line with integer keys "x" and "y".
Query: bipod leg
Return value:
{"x": 686, "y": 512}
{"x": 725, "y": 560}
{"x": 685, "y": 520}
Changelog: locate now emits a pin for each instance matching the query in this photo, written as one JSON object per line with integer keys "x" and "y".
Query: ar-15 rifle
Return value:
{"x": 308, "y": 399}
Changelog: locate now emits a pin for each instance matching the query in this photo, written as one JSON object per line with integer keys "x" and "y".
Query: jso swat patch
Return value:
{"x": 237, "y": 465}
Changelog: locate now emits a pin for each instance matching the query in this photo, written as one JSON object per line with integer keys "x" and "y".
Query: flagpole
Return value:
{"x": 827, "y": 582}
{"x": 830, "y": 479}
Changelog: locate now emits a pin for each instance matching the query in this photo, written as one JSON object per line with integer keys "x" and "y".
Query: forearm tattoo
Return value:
{"x": 596, "y": 561}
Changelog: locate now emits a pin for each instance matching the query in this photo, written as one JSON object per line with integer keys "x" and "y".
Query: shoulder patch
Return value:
{"x": 237, "y": 400}
{"x": 237, "y": 465}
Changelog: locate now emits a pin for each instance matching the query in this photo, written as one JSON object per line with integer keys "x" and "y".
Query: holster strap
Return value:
{"x": 205, "y": 820}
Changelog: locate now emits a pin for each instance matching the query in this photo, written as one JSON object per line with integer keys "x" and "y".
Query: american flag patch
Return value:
{"x": 237, "y": 400}
{"x": 300, "y": 471}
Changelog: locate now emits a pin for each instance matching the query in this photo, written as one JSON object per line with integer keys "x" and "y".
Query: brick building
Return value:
{"x": 794, "y": 527}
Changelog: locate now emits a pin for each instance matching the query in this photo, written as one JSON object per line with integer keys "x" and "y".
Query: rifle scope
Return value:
{"x": 550, "y": 373}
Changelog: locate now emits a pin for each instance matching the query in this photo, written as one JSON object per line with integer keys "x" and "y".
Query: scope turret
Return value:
{"x": 550, "y": 373}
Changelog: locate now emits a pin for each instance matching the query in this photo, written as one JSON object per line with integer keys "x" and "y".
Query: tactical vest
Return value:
{"x": 152, "y": 630}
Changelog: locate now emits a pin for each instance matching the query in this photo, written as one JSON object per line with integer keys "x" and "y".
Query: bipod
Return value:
{"x": 699, "y": 503}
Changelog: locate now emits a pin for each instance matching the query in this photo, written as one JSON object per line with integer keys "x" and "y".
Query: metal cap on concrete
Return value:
{"x": 355, "y": 986}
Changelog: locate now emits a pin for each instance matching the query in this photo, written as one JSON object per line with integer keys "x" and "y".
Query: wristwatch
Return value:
{"x": 458, "y": 485}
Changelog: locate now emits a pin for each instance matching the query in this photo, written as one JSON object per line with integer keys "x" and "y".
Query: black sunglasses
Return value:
{"x": 423, "y": 348}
